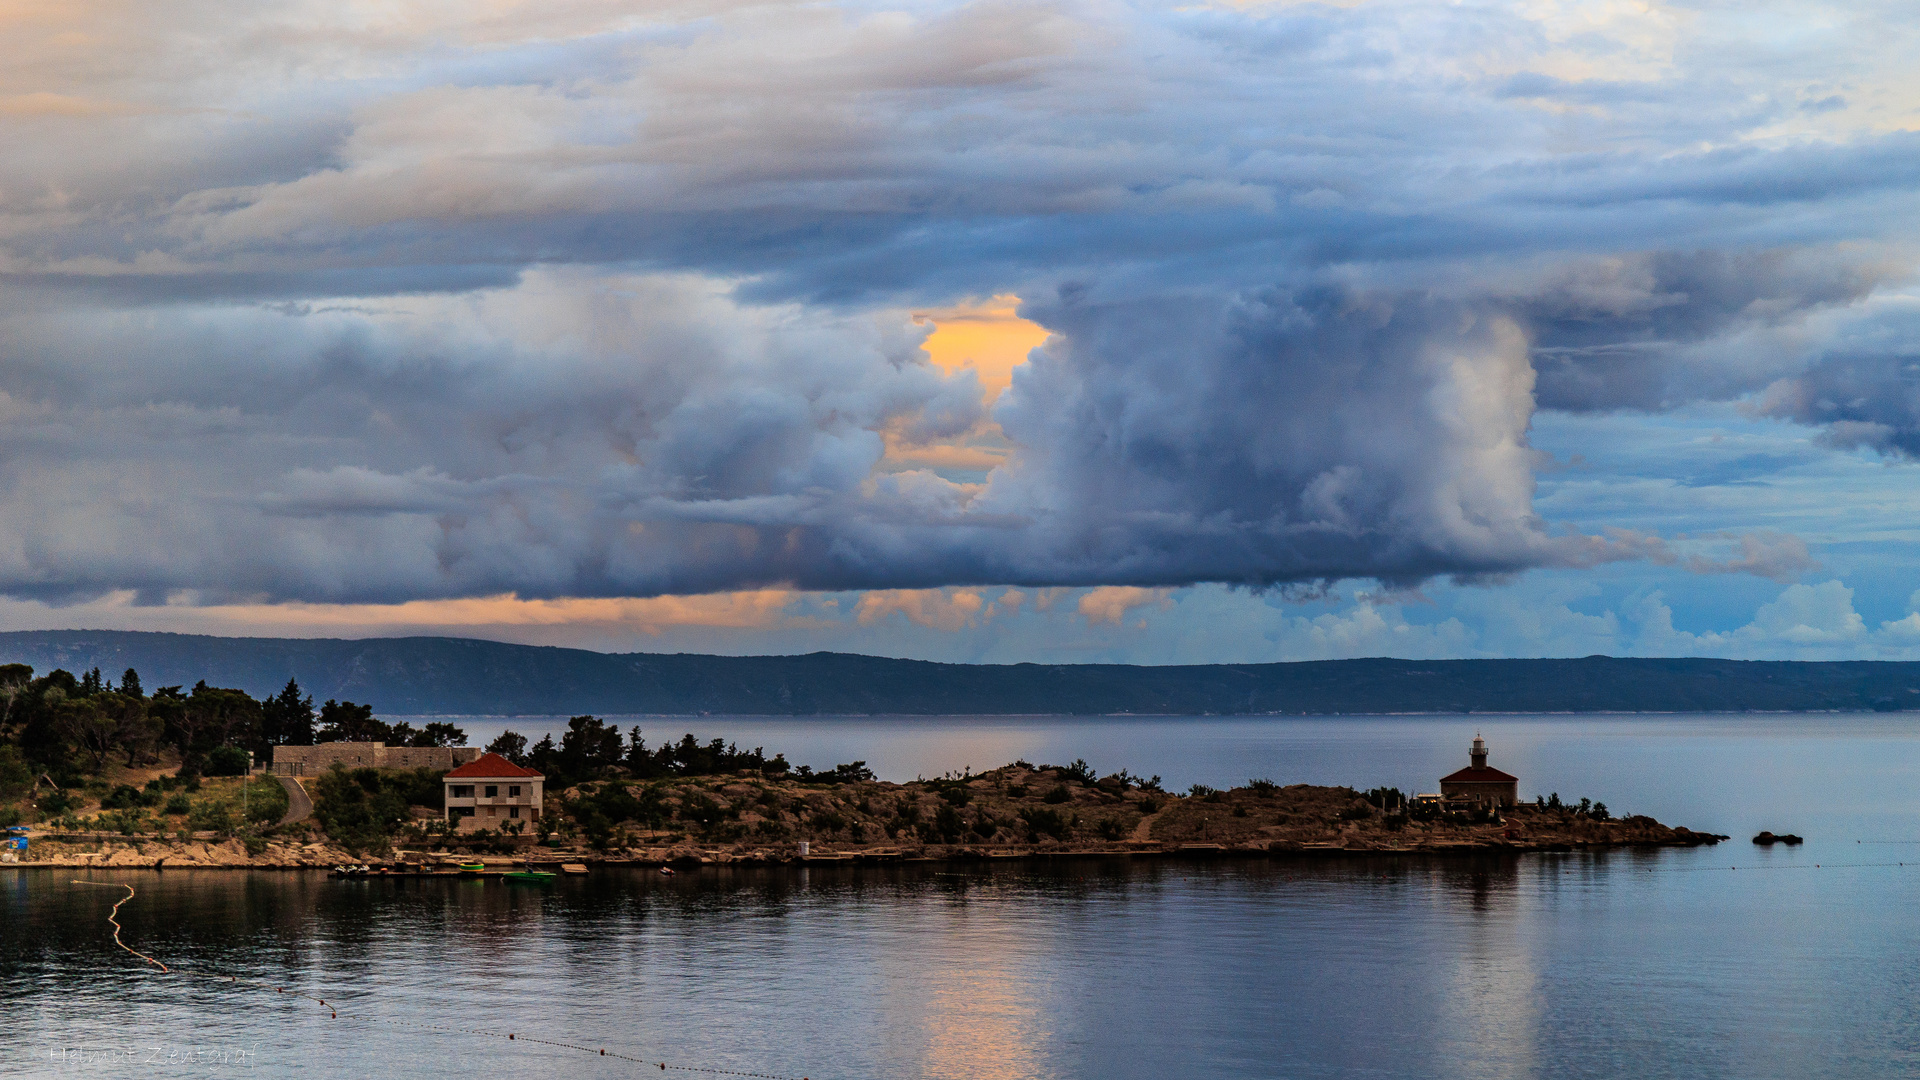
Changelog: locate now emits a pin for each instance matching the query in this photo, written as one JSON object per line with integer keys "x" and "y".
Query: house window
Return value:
{"x": 493, "y": 811}
{"x": 513, "y": 792}
{"x": 493, "y": 791}
{"x": 461, "y": 791}
{"x": 513, "y": 811}
{"x": 459, "y": 811}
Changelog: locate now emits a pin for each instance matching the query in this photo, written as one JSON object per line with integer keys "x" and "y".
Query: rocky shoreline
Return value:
{"x": 1020, "y": 812}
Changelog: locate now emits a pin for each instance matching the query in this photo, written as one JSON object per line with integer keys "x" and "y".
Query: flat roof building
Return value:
{"x": 317, "y": 759}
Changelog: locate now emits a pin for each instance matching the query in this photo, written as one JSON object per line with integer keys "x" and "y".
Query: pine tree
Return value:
{"x": 288, "y": 717}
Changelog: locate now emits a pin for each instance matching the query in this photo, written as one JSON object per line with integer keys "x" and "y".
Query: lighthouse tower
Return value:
{"x": 1477, "y": 753}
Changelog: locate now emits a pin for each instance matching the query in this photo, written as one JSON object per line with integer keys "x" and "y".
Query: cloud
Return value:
{"x": 586, "y": 300}
{"x": 1813, "y": 622}
{"x": 939, "y": 609}
{"x": 1775, "y": 556}
{"x": 1111, "y": 603}
{"x": 1866, "y": 392}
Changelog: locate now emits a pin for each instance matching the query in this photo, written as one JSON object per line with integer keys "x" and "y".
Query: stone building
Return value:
{"x": 493, "y": 793}
{"x": 1477, "y": 783}
{"x": 314, "y": 760}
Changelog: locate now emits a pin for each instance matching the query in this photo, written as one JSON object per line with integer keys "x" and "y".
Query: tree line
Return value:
{"x": 68, "y": 727}
{"x": 591, "y": 749}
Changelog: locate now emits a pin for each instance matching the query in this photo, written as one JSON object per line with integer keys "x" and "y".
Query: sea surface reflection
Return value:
{"x": 1798, "y": 963}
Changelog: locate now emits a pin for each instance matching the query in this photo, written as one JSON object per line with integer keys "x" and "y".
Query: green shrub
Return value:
{"x": 1112, "y": 829}
{"x": 1059, "y": 794}
{"x": 9, "y": 816}
{"x": 702, "y": 810}
{"x": 617, "y": 803}
{"x": 360, "y": 809}
{"x": 228, "y": 761}
{"x": 211, "y": 816}
{"x": 178, "y": 803}
{"x": 1261, "y": 786}
{"x": 1386, "y": 798}
{"x": 124, "y": 822}
{"x": 1357, "y": 812}
{"x": 946, "y": 826}
{"x": 1044, "y": 822}
{"x": 16, "y": 776}
{"x": 57, "y": 803}
{"x": 128, "y": 797}
{"x": 1201, "y": 791}
{"x": 266, "y": 802}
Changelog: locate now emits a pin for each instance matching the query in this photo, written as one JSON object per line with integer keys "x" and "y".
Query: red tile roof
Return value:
{"x": 1482, "y": 775}
{"x": 492, "y": 765}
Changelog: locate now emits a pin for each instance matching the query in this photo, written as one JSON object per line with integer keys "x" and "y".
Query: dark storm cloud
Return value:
{"x": 1859, "y": 401}
{"x": 574, "y": 299}
{"x": 1643, "y": 330}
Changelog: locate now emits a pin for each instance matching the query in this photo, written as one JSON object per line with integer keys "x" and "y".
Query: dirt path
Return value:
{"x": 1143, "y": 832}
{"x": 299, "y": 807}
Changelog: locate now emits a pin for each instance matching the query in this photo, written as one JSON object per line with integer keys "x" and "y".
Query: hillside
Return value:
{"x": 464, "y": 676}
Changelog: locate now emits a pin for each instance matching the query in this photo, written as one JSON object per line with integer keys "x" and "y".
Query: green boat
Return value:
{"x": 472, "y": 867}
{"x": 527, "y": 875}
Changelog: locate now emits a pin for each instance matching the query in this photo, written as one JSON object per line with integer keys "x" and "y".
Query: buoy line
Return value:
{"x": 334, "y": 1013}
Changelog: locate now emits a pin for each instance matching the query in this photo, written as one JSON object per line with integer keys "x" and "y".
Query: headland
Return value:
{"x": 1019, "y": 811}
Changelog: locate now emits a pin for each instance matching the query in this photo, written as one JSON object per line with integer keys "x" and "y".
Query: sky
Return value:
{"x": 1083, "y": 331}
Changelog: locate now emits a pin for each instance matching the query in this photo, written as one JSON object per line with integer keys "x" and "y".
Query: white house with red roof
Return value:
{"x": 495, "y": 794}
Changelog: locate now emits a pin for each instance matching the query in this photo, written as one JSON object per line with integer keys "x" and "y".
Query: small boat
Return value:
{"x": 573, "y": 868}
{"x": 667, "y": 870}
{"x": 472, "y": 867}
{"x": 527, "y": 875}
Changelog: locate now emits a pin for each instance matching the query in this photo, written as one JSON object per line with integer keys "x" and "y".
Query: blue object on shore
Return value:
{"x": 16, "y": 830}
{"x": 18, "y": 843}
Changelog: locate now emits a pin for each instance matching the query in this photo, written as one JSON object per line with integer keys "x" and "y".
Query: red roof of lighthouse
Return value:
{"x": 1472, "y": 774}
{"x": 489, "y": 766}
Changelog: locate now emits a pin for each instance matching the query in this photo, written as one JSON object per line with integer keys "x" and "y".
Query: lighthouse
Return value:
{"x": 1479, "y": 782}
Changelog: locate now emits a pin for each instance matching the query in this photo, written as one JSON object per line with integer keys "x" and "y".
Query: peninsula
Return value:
{"x": 1017, "y": 811}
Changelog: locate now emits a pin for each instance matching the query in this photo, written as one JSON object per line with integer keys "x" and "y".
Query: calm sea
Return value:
{"x": 1733, "y": 961}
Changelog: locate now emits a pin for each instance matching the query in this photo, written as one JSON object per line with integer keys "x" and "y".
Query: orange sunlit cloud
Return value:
{"x": 988, "y": 336}
{"x": 748, "y": 609}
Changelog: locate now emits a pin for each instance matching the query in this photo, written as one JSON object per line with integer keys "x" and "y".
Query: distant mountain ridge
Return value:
{"x": 426, "y": 675}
